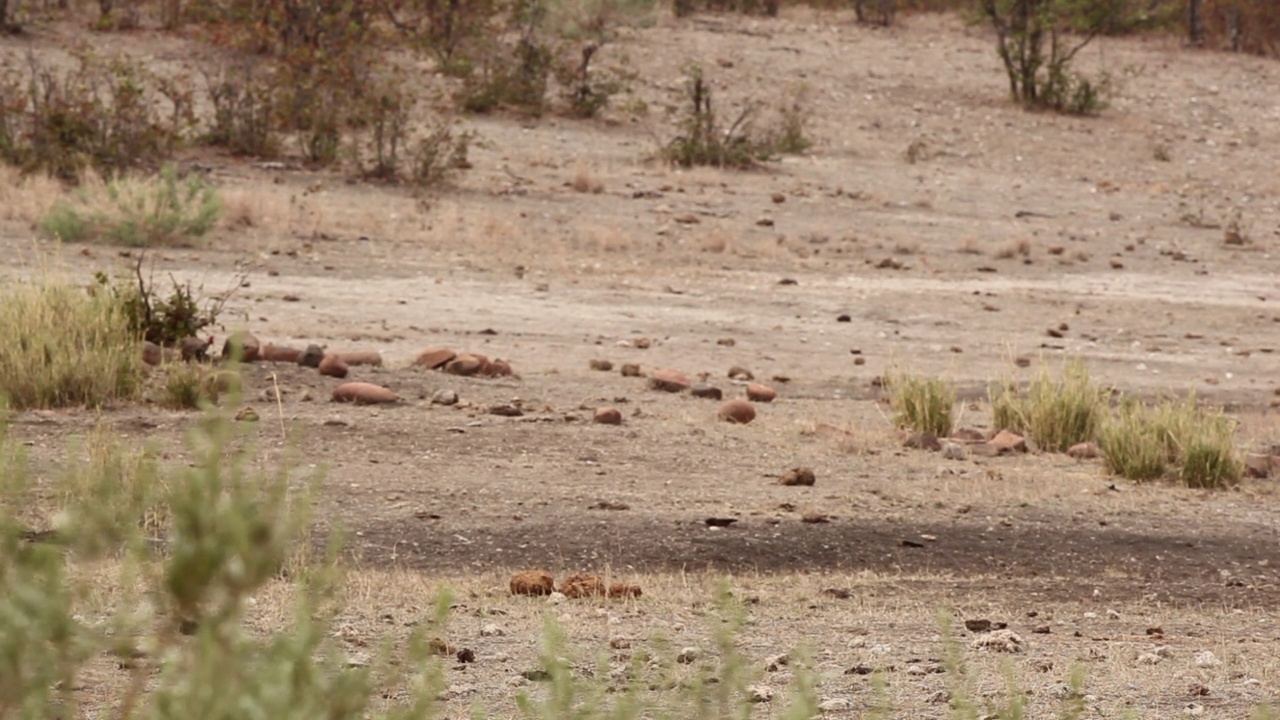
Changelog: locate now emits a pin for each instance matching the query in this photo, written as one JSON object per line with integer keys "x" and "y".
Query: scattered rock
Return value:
{"x": 687, "y": 655}
{"x": 710, "y": 392}
{"x": 601, "y": 365}
{"x": 279, "y": 353}
{"x": 362, "y": 393}
{"x": 361, "y": 357}
{"x": 631, "y": 370}
{"x": 1006, "y": 442}
{"x": 760, "y": 393}
{"x": 1006, "y": 641}
{"x": 466, "y": 364}
{"x": 492, "y": 630}
{"x": 837, "y": 593}
{"x": 497, "y": 368}
{"x": 311, "y": 357}
{"x": 1083, "y": 451}
{"x": 580, "y": 585}
{"x": 624, "y": 590}
{"x": 726, "y": 342}
{"x": 798, "y": 476}
{"x": 720, "y": 521}
{"x": 506, "y": 410}
{"x": 333, "y": 366}
{"x": 444, "y": 397}
{"x": 608, "y": 416}
{"x": 738, "y": 372}
{"x": 815, "y": 518}
{"x": 152, "y": 354}
{"x": 642, "y": 343}
{"x": 737, "y": 411}
{"x": 982, "y": 625}
{"x": 532, "y": 582}
{"x": 844, "y": 317}
{"x": 466, "y": 655}
{"x": 242, "y": 346}
{"x": 954, "y": 451}
{"x": 1022, "y": 361}
{"x": 619, "y": 643}
{"x": 1149, "y": 659}
{"x": 923, "y": 441}
{"x": 435, "y": 358}
{"x": 668, "y": 381}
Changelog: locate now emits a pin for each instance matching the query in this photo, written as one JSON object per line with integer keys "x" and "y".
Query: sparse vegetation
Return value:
{"x": 1146, "y": 442}
{"x": 63, "y": 347}
{"x": 1055, "y": 413}
{"x": 165, "y": 320}
{"x": 1040, "y": 76}
{"x": 703, "y": 140}
{"x": 154, "y": 212}
{"x": 921, "y": 404}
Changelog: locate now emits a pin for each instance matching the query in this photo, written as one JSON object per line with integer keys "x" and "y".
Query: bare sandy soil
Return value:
{"x": 951, "y": 229}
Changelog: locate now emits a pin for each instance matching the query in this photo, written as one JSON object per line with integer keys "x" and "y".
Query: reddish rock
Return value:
{"x": 740, "y": 373}
{"x": 631, "y": 370}
{"x": 279, "y": 353}
{"x": 361, "y": 357}
{"x": 496, "y": 368}
{"x": 608, "y": 416}
{"x": 798, "y": 476}
{"x": 435, "y": 357}
{"x": 710, "y": 392}
{"x": 152, "y": 354}
{"x": 532, "y": 582}
{"x": 332, "y": 365}
{"x": 362, "y": 393}
{"x": 624, "y": 590}
{"x": 583, "y": 586}
{"x": 242, "y": 346}
{"x": 737, "y": 411}
{"x": 1008, "y": 442}
{"x": 466, "y": 364}
{"x": 668, "y": 381}
{"x": 1083, "y": 451}
{"x": 760, "y": 393}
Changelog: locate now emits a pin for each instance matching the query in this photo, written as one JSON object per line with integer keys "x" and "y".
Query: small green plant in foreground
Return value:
{"x": 1056, "y": 414}
{"x": 161, "y": 211}
{"x": 63, "y": 347}
{"x": 922, "y": 404}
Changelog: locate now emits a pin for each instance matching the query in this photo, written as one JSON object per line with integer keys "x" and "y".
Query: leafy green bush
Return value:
{"x": 1056, "y": 414}
{"x": 62, "y": 347}
{"x": 160, "y": 211}
{"x": 921, "y": 404}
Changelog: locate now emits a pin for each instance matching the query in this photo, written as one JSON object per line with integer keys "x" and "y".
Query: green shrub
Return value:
{"x": 1056, "y": 414}
{"x": 921, "y": 404}
{"x": 160, "y": 211}
{"x": 165, "y": 320}
{"x": 60, "y": 347}
{"x": 1144, "y": 441}
{"x": 703, "y": 140}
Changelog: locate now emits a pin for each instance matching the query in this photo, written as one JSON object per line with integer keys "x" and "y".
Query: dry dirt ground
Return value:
{"x": 952, "y": 229}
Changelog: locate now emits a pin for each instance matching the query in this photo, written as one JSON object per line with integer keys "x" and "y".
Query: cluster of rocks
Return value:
{"x": 967, "y": 441}
{"x": 735, "y": 410}
{"x": 465, "y": 364}
{"x": 577, "y": 585}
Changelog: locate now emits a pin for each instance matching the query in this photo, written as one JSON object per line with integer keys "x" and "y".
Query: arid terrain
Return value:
{"x": 933, "y": 228}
